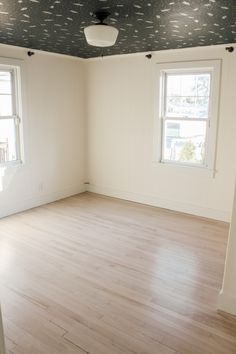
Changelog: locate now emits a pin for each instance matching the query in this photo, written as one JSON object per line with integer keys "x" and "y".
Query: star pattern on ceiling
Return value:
{"x": 58, "y": 25}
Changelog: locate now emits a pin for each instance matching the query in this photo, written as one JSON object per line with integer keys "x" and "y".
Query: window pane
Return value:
{"x": 173, "y": 84}
{"x": 203, "y": 85}
{"x": 187, "y": 95}
{"x": 202, "y": 107}
{"x": 5, "y": 82}
{"x": 188, "y": 85}
{"x": 7, "y": 140}
{"x": 174, "y": 106}
{"x": 184, "y": 141}
{"x": 6, "y": 105}
{"x": 181, "y": 107}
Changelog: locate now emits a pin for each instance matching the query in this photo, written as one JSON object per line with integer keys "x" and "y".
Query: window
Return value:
{"x": 9, "y": 115}
{"x": 189, "y": 99}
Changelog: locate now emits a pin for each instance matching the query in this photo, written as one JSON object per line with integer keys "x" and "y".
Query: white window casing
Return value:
{"x": 15, "y": 68}
{"x": 212, "y": 67}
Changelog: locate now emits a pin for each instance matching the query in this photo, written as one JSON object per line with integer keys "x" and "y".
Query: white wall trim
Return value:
{"x": 26, "y": 49}
{"x": 227, "y": 303}
{"x": 36, "y": 201}
{"x": 174, "y": 205}
{"x": 165, "y": 51}
{"x": 115, "y": 56}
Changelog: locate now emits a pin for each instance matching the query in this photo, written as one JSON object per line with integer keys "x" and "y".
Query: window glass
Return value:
{"x": 9, "y": 115}
{"x": 5, "y": 83}
{"x": 187, "y": 95}
{"x": 7, "y": 140}
{"x": 5, "y": 93}
{"x": 188, "y": 105}
{"x": 184, "y": 141}
{"x": 6, "y": 105}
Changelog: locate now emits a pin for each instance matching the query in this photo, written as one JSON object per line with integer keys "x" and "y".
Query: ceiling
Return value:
{"x": 148, "y": 25}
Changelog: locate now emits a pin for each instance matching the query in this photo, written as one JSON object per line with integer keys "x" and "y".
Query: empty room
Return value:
{"x": 117, "y": 177}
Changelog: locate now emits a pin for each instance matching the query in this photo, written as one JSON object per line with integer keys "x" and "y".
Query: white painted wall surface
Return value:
{"x": 227, "y": 299}
{"x": 2, "y": 340}
{"x": 54, "y": 132}
{"x": 113, "y": 148}
{"x": 121, "y": 104}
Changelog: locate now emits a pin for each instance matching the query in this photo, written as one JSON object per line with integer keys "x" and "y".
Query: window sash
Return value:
{"x": 10, "y": 117}
{"x": 163, "y": 117}
{"x": 205, "y": 163}
{"x": 186, "y": 119}
{"x": 184, "y": 72}
{"x": 13, "y": 94}
{"x": 214, "y": 66}
{"x": 16, "y": 121}
{"x": 15, "y": 115}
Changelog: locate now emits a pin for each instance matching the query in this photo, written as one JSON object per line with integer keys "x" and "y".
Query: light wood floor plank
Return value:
{"x": 96, "y": 275}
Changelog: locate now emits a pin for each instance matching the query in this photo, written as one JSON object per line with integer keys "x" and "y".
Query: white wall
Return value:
{"x": 2, "y": 341}
{"x": 227, "y": 299}
{"x": 121, "y": 101}
{"x": 54, "y": 132}
{"x": 117, "y": 95}
{"x": 113, "y": 148}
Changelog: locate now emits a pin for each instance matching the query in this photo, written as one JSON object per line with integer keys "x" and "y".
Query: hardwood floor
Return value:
{"x": 91, "y": 274}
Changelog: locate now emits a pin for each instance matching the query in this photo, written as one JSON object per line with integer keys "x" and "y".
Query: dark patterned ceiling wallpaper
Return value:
{"x": 148, "y": 25}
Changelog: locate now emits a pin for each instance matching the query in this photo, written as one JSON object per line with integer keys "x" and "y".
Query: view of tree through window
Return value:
{"x": 186, "y": 113}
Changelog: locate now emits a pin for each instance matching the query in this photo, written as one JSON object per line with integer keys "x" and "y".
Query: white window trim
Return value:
{"x": 213, "y": 66}
{"x": 16, "y": 66}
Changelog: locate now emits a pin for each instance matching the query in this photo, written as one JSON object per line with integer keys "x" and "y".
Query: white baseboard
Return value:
{"x": 227, "y": 303}
{"x": 36, "y": 201}
{"x": 21, "y": 205}
{"x": 183, "y": 207}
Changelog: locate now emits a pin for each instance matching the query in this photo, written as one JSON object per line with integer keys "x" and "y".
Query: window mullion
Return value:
{"x": 186, "y": 119}
{"x": 9, "y": 117}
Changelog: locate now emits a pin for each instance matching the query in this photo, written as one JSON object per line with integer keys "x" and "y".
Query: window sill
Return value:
{"x": 202, "y": 170}
{"x": 11, "y": 164}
